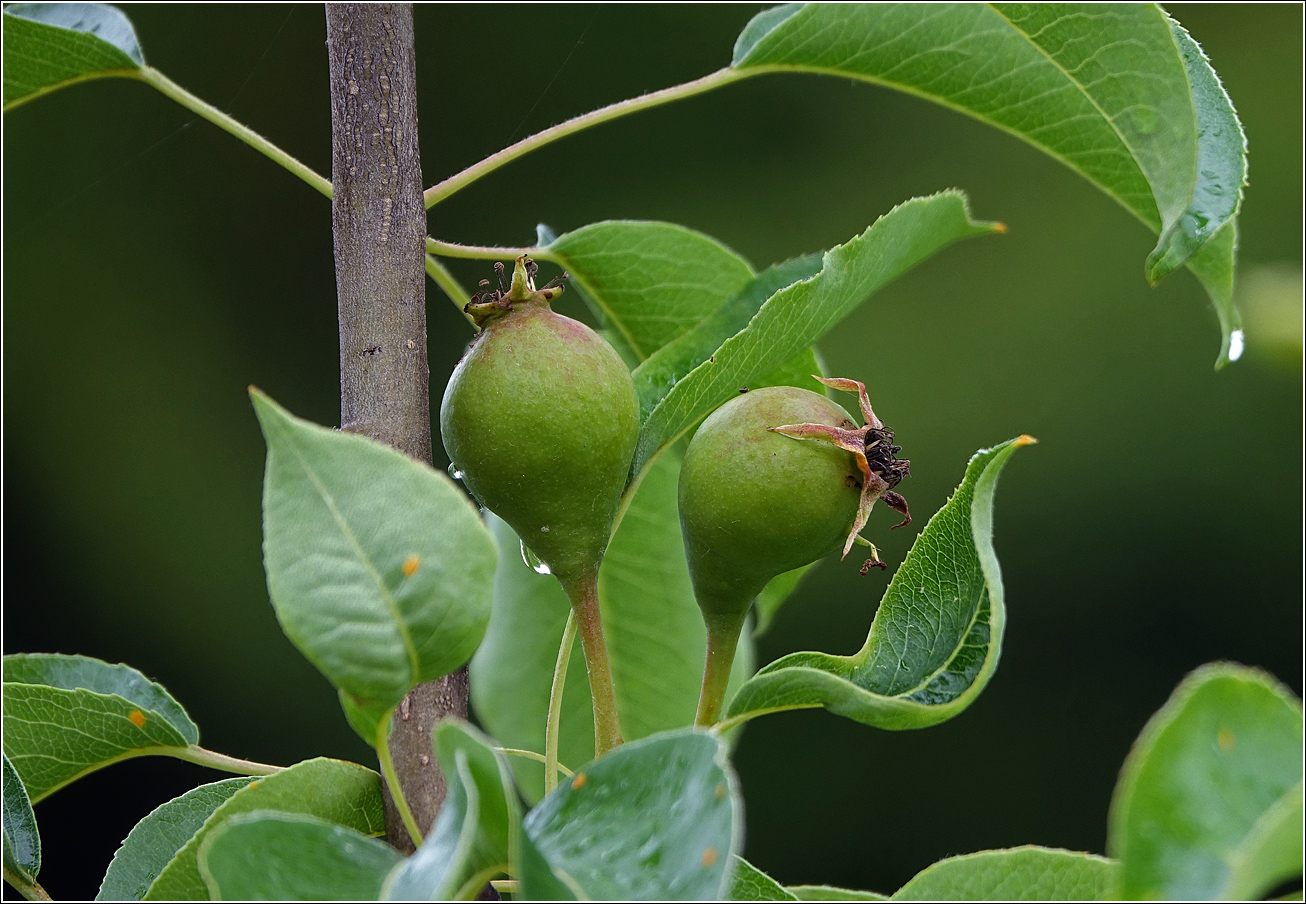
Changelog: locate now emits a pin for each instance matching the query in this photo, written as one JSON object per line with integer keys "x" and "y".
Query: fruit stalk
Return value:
{"x": 722, "y": 638}
{"x": 583, "y": 592}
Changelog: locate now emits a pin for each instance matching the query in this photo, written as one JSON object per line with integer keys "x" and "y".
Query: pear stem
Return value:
{"x": 722, "y": 638}
{"x": 583, "y": 592}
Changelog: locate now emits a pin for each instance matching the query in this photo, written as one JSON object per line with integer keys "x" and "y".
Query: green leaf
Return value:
{"x": 338, "y": 792}
{"x": 831, "y": 893}
{"x": 22, "y": 844}
{"x": 380, "y": 569}
{"x": 479, "y": 823}
{"x": 155, "y": 840}
{"x": 654, "y": 631}
{"x": 51, "y": 45}
{"x": 66, "y": 716}
{"x": 751, "y": 884}
{"x": 1019, "y": 874}
{"x": 648, "y": 281}
{"x": 1209, "y": 800}
{"x": 797, "y": 316}
{"x": 667, "y": 366}
{"x": 936, "y": 637}
{"x": 270, "y": 856}
{"x": 1121, "y": 94}
{"x": 656, "y": 819}
{"x": 774, "y": 594}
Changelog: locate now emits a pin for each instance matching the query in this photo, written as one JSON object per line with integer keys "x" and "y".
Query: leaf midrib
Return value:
{"x": 410, "y": 650}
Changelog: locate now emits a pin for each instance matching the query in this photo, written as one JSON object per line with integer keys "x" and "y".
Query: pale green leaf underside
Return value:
{"x": 270, "y": 856}
{"x": 22, "y": 840}
{"x": 50, "y": 45}
{"x": 655, "y": 636}
{"x": 1118, "y": 92}
{"x": 66, "y": 716}
{"x": 1209, "y": 800}
{"x": 479, "y": 823}
{"x": 1020, "y": 874}
{"x": 795, "y": 317}
{"x": 751, "y": 884}
{"x": 155, "y": 840}
{"x": 332, "y": 790}
{"x": 936, "y": 637}
{"x": 379, "y": 568}
{"x": 656, "y": 819}
{"x": 71, "y": 672}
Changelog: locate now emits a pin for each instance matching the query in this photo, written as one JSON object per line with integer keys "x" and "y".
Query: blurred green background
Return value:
{"x": 154, "y": 267}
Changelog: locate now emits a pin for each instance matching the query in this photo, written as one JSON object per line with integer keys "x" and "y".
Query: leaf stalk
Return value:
{"x": 382, "y": 745}
{"x": 439, "y": 192}
{"x": 171, "y": 89}
{"x": 553, "y": 725}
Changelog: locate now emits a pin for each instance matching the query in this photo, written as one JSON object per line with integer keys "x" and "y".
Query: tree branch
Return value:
{"x": 379, "y": 224}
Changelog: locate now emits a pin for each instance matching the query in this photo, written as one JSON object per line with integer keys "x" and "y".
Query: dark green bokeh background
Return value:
{"x": 154, "y": 267}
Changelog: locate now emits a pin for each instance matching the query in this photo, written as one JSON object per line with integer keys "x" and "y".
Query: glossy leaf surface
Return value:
{"x": 1209, "y": 800}
{"x": 65, "y": 716}
{"x": 1119, "y": 93}
{"x": 795, "y": 317}
{"x": 155, "y": 840}
{"x": 656, "y": 819}
{"x": 936, "y": 637}
{"x": 270, "y": 856}
{"x": 332, "y": 790}
{"x": 379, "y": 568}
{"x": 673, "y": 361}
{"x": 1020, "y": 874}
{"x": 51, "y": 45}
{"x": 655, "y": 637}
{"x": 22, "y": 841}
{"x": 479, "y": 823}
{"x": 649, "y": 281}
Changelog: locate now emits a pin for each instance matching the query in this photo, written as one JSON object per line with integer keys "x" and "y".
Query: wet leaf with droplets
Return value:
{"x": 657, "y": 819}
{"x": 936, "y": 637}
{"x": 1119, "y": 93}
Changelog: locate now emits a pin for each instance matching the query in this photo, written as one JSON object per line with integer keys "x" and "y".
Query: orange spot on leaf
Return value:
{"x": 709, "y": 856}
{"x": 137, "y": 718}
{"x": 579, "y": 781}
{"x": 1224, "y": 737}
{"x": 411, "y": 564}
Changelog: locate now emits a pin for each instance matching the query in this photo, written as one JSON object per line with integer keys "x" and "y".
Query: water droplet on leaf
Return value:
{"x": 1235, "y": 345}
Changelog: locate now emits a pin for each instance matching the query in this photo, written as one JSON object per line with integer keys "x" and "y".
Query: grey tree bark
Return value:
{"x": 379, "y": 225}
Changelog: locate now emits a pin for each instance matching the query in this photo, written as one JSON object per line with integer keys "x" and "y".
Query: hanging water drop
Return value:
{"x": 533, "y": 561}
{"x": 455, "y": 473}
{"x": 1235, "y": 345}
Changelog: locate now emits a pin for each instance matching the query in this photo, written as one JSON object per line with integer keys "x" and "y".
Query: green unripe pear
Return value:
{"x": 540, "y": 416}
{"x": 754, "y": 503}
{"x": 772, "y": 481}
